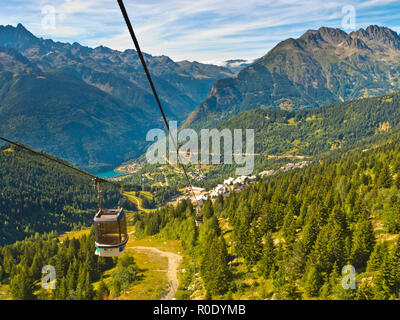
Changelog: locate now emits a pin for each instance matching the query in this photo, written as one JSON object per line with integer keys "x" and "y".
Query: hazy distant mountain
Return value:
{"x": 92, "y": 107}
{"x": 322, "y": 67}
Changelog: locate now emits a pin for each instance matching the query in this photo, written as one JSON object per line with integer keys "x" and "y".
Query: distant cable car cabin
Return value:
{"x": 110, "y": 229}
{"x": 198, "y": 217}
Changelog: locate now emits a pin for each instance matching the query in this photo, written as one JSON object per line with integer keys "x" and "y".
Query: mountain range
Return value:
{"x": 322, "y": 67}
{"x": 92, "y": 107}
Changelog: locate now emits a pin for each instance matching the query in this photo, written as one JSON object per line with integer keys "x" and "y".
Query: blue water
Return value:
{"x": 109, "y": 174}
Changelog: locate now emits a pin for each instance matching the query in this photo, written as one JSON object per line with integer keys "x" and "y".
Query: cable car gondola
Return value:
{"x": 110, "y": 228}
{"x": 110, "y": 232}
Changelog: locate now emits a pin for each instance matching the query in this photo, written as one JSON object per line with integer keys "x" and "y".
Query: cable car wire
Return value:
{"x": 146, "y": 70}
{"x": 22, "y": 146}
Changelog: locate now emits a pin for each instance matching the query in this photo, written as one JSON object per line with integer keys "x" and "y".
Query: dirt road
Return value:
{"x": 174, "y": 261}
{"x": 135, "y": 199}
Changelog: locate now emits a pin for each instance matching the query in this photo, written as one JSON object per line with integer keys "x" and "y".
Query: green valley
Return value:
{"x": 284, "y": 136}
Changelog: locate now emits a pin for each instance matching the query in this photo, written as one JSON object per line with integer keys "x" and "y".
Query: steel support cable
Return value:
{"x": 146, "y": 70}
{"x": 22, "y": 146}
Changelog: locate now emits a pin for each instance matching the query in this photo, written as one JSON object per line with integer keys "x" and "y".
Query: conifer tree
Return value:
{"x": 21, "y": 284}
{"x": 36, "y": 268}
{"x": 376, "y": 258}
{"x": 385, "y": 179}
{"x": 395, "y": 270}
{"x": 384, "y": 281}
{"x": 61, "y": 292}
{"x": 392, "y": 216}
{"x": 208, "y": 210}
{"x": 285, "y": 286}
{"x": 313, "y": 282}
{"x": 102, "y": 292}
{"x": 214, "y": 268}
{"x": 363, "y": 242}
{"x": 310, "y": 233}
{"x": 268, "y": 256}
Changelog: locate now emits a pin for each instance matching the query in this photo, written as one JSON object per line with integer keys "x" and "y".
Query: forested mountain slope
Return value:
{"x": 322, "y": 67}
{"x": 289, "y": 236}
{"x": 283, "y": 136}
{"x": 37, "y": 195}
{"x": 76, "y": 269}
{"x": 312, "y": 132}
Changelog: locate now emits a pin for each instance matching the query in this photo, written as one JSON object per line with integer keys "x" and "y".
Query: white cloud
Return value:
{"x": 397, "y": 29}
{"x": 203, "y": 30}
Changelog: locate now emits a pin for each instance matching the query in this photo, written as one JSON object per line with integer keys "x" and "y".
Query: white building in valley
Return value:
{"x": 229, "y": 181}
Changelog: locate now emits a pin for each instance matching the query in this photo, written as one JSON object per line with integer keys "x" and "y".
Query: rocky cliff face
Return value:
{"x": 322, "y": 67}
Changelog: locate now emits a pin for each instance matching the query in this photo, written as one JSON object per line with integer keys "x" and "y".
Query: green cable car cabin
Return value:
{"x": 111, "y": 233}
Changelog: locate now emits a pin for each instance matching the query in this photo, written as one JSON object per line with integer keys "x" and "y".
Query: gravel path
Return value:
{"x": 174, "y": 261}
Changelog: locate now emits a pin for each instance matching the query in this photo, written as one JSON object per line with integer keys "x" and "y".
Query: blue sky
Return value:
{"x": 202, "y": 30}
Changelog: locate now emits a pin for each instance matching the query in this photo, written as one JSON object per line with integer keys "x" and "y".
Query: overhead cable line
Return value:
{"x": 41, "y": 154}
{"x": 146, "y": 70}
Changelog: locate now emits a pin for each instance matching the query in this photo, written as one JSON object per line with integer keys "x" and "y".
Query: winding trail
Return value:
{"x": 174, "y": 261}
{"x": 135, "y": 199}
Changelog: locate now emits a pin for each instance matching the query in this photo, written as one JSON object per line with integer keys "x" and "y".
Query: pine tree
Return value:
{"x": 363, "y": 242}
{"x": 208, "y": 232}
{"x": 310, "y": 233}
{"x": 328, "y": 248}
{"x": 395, "y": 270}
{"x": 385, "y": 179}
{"x": 376, "y": 259}
{"x": 251, "y": 246}
{"x": 208, "y": 210}
{"x": 392, "y": 216}
{"x": 72, "y": 276}
{"x": 279, "y": 282}
{"x": 61, "y": 292}
{"x": 268, "y": 256}
{"x": 36, "y": 268}
{"x": 330, "y": 283}
{"x": 384, "y": 282}
{"x": 214, "y": 268}
{"x": 285, "y": 287}
{"x": 21, "y": 284}
{"x": 102, "y": 292}
{"x": 297, "y": 261}
{"x": 84, "y": 290}
{"x": 313, "y": 282}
